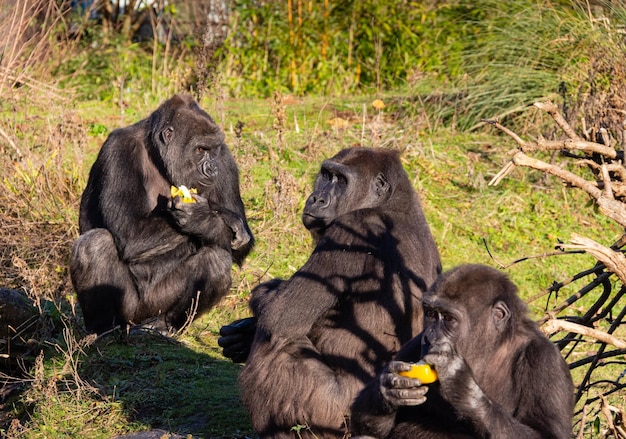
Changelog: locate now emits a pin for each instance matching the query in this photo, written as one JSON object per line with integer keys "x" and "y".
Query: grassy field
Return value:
{"x": 67, "y": 82}
{"x": 76, "y": 386}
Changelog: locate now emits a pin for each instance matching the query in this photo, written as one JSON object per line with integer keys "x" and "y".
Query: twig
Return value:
{"x": 609, "y": 206}
{"x": 526, "y": 258}
{"x": 191, "y": 314}
{"x": 8, "y": 139}
{"x": 582, "y": 423}
{"x": 607, "y": 410}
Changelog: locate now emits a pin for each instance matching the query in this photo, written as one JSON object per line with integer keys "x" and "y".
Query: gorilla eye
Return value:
{"x": 341, "y": 179}
{"x": 326, "y": 176}
{"x": 448, "y": 317}
{"x": 430, "y": 313}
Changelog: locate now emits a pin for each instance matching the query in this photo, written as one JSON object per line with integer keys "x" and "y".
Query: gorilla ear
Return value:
{"x": 166, "y": 134}
{"x": 501, "y": 314}
{"x": 381, "y": 185}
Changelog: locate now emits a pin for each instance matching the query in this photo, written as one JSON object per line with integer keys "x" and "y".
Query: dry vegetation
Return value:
{"x": 48, "y": 139}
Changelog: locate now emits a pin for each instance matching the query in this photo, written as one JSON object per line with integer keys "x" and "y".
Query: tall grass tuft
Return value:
{"x": 27, "y": 27}
{"x": 522, "y": 52}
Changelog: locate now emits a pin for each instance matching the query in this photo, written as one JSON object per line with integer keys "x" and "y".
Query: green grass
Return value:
{"x": 187, "y": 386}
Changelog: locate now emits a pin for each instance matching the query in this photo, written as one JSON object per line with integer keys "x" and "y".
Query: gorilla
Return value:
{"x": 498, "y": 375}
{"x": 326, "y": 331}
{"x": 144, "y": 254}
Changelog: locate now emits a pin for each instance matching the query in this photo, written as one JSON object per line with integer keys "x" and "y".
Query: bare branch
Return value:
{"x": 507, "y": 131}
{"x": 555, "y": 325}
{"x": 609, "y": 206}
{"x": 578, "y": 144}
{"x": 552, "y": 110}
{"x": 614, "y": 261}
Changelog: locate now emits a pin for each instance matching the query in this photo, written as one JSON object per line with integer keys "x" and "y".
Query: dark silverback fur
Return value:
{"x": 499, "y": 376}
{"x": 326, "y": 331}
{"x": 142, "y": 254}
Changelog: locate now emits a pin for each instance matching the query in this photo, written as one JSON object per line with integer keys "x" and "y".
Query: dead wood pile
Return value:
{"x": 596, "y": 167}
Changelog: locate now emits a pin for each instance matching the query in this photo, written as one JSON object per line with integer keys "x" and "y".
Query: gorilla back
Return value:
{"x": 143, "y": 253}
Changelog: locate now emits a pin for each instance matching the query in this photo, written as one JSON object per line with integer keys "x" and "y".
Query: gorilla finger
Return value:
{"x": 407, "y": 397}
{"x": 236, "y": 356}
{"x": 230, "y": 340}
{"x": 395, "y": 381}
{"x": 200, "y": 200}
{"x": 413, "y": 402}
{"x": 244, "y": 325}
{"x": 176, "y": 202}
{"x": 231, "y": 351}
{"x": 399, "y": 366}
{"x": 240, "y": 357}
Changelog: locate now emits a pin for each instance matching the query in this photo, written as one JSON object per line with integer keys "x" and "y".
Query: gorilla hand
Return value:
{"x": 398, "y": 391}
{"x": 241, "y": 237}
{"x": 236, "y": 339}
{"x": 200, "y": 219}
{"x": 187, "y": 214}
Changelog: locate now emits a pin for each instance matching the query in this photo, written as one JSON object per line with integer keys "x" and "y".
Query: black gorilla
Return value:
{"x": 143, "y": 254}
{"x": 326, "y": 331}
{"x": 499, "y": 376}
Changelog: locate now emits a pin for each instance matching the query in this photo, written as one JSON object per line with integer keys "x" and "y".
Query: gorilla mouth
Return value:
{"x": 313, "y": 222}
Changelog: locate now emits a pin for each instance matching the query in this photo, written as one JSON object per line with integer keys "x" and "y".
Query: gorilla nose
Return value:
{"x": 209, "y": 168}
{"x": 320, "y": 200}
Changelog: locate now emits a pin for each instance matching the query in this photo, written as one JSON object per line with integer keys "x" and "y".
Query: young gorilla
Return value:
{"x": 326, "y": 331}
{"x": 498, "y": 375}
{"x": 143, "y": 254}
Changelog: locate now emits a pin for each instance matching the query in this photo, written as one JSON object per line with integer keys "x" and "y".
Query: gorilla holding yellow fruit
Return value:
{"x": 145, "y": 250}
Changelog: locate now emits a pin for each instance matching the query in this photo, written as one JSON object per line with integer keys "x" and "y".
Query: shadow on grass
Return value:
{"x": 162, "y": 383}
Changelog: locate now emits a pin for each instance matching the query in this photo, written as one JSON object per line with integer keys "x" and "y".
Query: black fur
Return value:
{"x": 142, "y": 254}
{"x": 326, "y": 331}
{"x": 499, "y": 376}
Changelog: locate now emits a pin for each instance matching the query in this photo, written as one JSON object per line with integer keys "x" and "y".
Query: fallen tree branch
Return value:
{"x": 552, "y": 110}
{"x": 614, "y": 261}
{"x": 556, "y": 145}
{"x": 609, "y": 206}
{"x": 555, "y": 325}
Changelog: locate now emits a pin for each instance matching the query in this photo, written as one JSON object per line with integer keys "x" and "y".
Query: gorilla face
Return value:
{"x": 206, "y": 157}
{"x": 343, "y": 186}
{"x": 190, "y": 145}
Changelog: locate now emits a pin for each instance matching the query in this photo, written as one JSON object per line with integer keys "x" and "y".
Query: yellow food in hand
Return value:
{"x": 184, "y": 193}
{"x": 422, "y": 371}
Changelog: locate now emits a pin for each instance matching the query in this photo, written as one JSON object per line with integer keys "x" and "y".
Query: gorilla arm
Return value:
{"x": 347, "y": 257}
{"x": 214, "y": 227}
{"x": 530, "y": 372}
{"x": 132, "y": 198}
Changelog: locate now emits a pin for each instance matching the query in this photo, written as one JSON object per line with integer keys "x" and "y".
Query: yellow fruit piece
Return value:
{"x": 378, "y": 104}
{"x": 422, "y": 371}
{"x": 184, "y": 193}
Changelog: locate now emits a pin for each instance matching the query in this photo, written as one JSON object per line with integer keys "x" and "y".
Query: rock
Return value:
{"x": 152, "y": 434}
{"x": 18, "y": 322}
